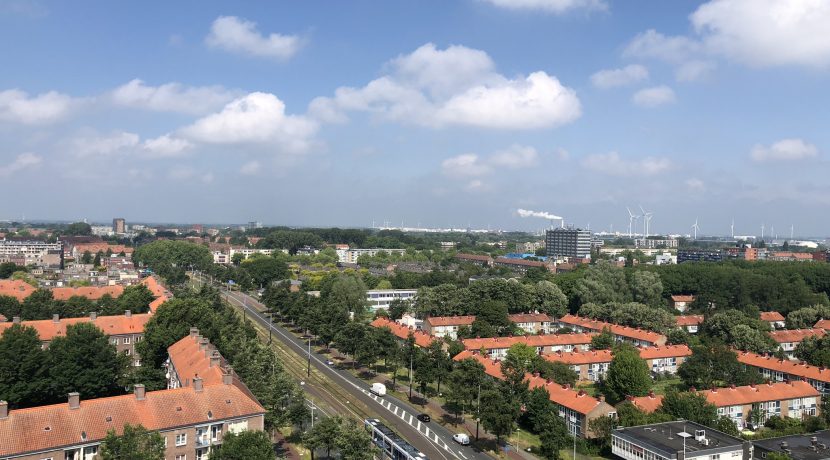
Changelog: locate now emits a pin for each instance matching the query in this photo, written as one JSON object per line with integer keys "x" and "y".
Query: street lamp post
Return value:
{"x": 478, "y": 409}
{"x": 410, "y": 375}
{"x": 308, "y": 369}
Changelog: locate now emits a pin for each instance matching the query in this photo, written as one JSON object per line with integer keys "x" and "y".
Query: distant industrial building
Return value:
{"x": 571, "y": 243}
{"x": 699, "y": 255}
{"x": 653, "y": 243}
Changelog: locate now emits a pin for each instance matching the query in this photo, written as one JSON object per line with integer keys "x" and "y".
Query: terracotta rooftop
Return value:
{"x": 492, "y": 367}
{"x": 822, "y": 324}
{"x": 665, "y": 351}
{"x": 604, "y": 356}
{"x": 90, "y": 292}
{"x": 648, "y": 403}
{"x": 18, "y": 289}
{"x": 529, "y": 318}
{"x": 771, "y": 316}
{"x": 450, "y": 320}
{"x": 158, "y": 290}
{"x": 473, "y": 257}
{"x": 616, "y": 329}
{"x": 95, "y": 248}
{"x": 688, "y": 320}
{"x": 750, "y": 394}
{"x": 545, "y": 340}
{"x": 402, "y": 332}
{"x": 47, "y": 427}
{"x": 683, "y": 298}
{"x": 785, "y": 366}
{"x": 523, "y": 262}
{"x": 48, "y": 329}
{"x": 795, "y": 335}
{"x": 190, "y": 357}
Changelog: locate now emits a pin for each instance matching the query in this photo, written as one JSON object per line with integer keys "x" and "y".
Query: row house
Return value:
{"x": 593, "y": 365}
{"x": 422, "y": 339}
{"x": 191, "y": 420}
{"x": 484, "y": 261}
{"x": 634, "y": 336}
{"x": 576, "y": 408}
{"x": 751, "y": 405}
{"x": 783, "y": 370}
{"x": 447, "y": 326}
{"x": 682, "y": 303}
{"x": 822, "y": 324}
{"x": 775, "y": 319}
{"x": 788, "y": 339}
{"x": 158, "y": 290}
{"x": 496, "y": 347}
{"x": 521, "y": 266}
{"x": 532, "y": 323}
{"x": 124, "y": 331}
{"x": 690, "y": 323}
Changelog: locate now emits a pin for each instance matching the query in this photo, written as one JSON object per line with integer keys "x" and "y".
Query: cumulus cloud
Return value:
{"x": 613, "y": 164}
{"x": 470, "y": 164}
{"x": 166, "y": 146}
{"x": 654, "y": 45}
{"x": 457, "y": 86}
{"x": 240, "y": 36}
{"x": 257, "y": 118}
{"x": 694, "y": 70}
{"x": 115, "y": 143}
{"x": 17, "y": 106}
{"x": 467, "y": 164}
{"x": 611, "y": 78}
{"x": 653, "y": 97}
{"x": 784, "y": 150}
{"x": 21, "y": 162}
{"x": 250, "y": 168}
{"x": 551, "y": 6}
{"x": 694, "y": 184}
{"x": 171, "y": 97}
{"x": 515, "y": 157}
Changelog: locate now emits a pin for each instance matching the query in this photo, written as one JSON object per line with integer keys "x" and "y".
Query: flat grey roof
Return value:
{"x": 666, "y": 439}
{"x": 800, "y": 445}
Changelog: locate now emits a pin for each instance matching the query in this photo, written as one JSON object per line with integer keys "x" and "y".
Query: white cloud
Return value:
{"x": 654, "y": 45}
{"x": 694, "y": 70}
{"x": 784, "y": 150}
{"x": 472, "y": 165}
{"x": 551, "y": 6}
{"x": 250, "y": 168}
{"x": 115, "y": 143}
{"x": 766, "y": 32}
{"x": 653, "y": 97}
{"x": 237, "y": 35}
{"x": 613, "y": 165}
{"x": 695, "y": 185}
{"x": 517, "y": 156}
{"x": 171, "y": 97}
{"x": 467, "y": 164}
{"x": 21, "y": 162}
{"x": 456, "y": 86}
{"x": 186, "y": 173}
{"x": 166, "y": 146}
{"x": 17, "y": 106}
{"x": 611, "y": 78}
{"x": 254, "y": 118}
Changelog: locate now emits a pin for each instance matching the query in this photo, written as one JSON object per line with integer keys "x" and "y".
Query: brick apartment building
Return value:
{"x": 593, "y": 365}
{"x": 788, "y": 339}
{"x": 402, "y": 332}
{"x": 691, "y": 323}
{"x": 446, "y": 326}
{"x": 783, "y": 370}
{"x": 532, "y": 323}
{"x": 496, "y": 347}
{"x": 634, "y": 336}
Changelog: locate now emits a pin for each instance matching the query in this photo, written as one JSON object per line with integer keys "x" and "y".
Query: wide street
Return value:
{"x": 432, "y": 439}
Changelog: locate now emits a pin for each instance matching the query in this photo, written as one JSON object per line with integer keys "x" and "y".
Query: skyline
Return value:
{"x": 316, "y": 114}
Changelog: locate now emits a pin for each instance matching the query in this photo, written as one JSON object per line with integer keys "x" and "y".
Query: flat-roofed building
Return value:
{"x": 807, "y": 446}
{"x": 679, "y": 440}
{"x": 380, "y": 299}
{"x": 568, "y": 243}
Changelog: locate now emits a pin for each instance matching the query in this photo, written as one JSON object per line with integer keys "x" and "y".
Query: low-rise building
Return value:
{"x": 521, "y": 266}
{"x": 699, "y": 255}
{"x": 496, "y": 347}
{"x": 822, "y": 324}
{"x": 483, "y": 260}
{"x": 807, "y": 446}
{"x": 682, "y": 303}
{"x": 422, "y": 339}
{"x": 788, "y": 339}
{"x": 637, "y": 337}
{"x": 351, "y": 256}
{"x": 678, "y": 440}
{"x": 32, "y": 252}
{"x": 784, "y": 370}
{"x": 447, "y": 326}
{"x": 532, "y": 323}
{"x": 775, "y": 319}
{"x": 592, "y": 365}
{"x": 380, "y": 299}
{"x": 690, "y": 323}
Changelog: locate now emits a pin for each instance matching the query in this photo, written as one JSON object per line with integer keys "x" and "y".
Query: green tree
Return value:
{"x": 550, "y": 299}
{"x": 22, "y": 367}
{"x": 554, "y": 436}
{"x": 814, "y": 350}
{"x": 498, "y": 412}
{"x": 324, "y": 435}
{"x": 39, "y": 305}
{"x": 78, "y": 229}
{"x": 84, "y": 361}
{"x": 264, "y": 270}
{"x": 348, "y": 293}
{"x": 7, "y": 268}
{"x": 134, "y": 443}
{"x": 602, "y": 283}
{"x": 398, "y": 307}
{"x": 97, "y": 260}
{"x": 354, "y": 442}
{"x": 603, "y": 341}
{"x": 557, "y": 371}
{"x": 237, "y": 258}
{"x": 9, "y": 306}
{"x": 171, "y": 322}
{"x": 464, "y": 382}
{"x": 247, "y": 445}
{"x": 135, "y": 298}
{"x": 518, "y": 361}
{"x": 628, "y": 374}
{"x": 647, "y": 288}
{"x": 691, "y": 406}
{"x": 715, "y": 364}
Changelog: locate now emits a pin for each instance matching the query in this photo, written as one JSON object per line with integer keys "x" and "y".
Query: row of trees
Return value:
{"x": 41, "y": 304}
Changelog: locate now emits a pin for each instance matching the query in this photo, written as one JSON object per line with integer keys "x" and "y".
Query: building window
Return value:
{"x": 715, "y": 457}
{"x": 181, "y": 457}
{"x": 181, "y": 439}
{"x": 126, "y": 340}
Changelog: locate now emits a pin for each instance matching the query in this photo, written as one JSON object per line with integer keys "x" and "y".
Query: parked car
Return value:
{"x": 424, "y": 417}
{"x": 461, "y": 438}
{"x": 378, "y": 389}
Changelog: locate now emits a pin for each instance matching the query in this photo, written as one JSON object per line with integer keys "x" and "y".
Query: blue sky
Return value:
{"x": 443, "y": 113}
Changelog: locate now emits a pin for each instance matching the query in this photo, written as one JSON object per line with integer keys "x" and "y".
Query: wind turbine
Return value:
{"x": 695, "y": 227}
{"x": 646, "y": 221}
{"x": 732, "y": 228}
{"x": 762, "y": 231}
{"x": 792, "y": 231}
{"x": 631, "y": 219}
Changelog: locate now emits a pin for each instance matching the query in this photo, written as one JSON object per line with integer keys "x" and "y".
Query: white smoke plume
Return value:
{"x": 540, "y": 214}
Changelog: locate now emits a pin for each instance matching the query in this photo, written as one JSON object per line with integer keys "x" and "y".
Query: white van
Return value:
{"x": 461, "y": 438}
{"x": 378, "y": 389}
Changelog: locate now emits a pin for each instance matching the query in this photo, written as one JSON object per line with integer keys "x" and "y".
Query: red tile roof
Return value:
{"x": 785, "y": 366}
{"x": 24, "y": 430}
{"x": 158, "y": 290}
{"x": 546, "y": 340}
{"x": 434, "y": 321}
{"x": 750, "y": 394}
{"x": 822, "y": 324}
{"x": 95, "y": 248}
{"x": 604, "y": 356}
{"x": 526, "y": 263}
{"x": 683, "y": 298}
{"x": 688, "y": 320}
{"x": 48, "y": 329}
{"x": 647, "y": 404}
{"x": 616, "y": 329}
{"x": 402, "y": 332}
{"x": 771, "y": 316}
{"x": 665, "y": 351}
{"x": 190, "y": 361}
{"x": 474, "y": 257}
{"x": 16, "y": 288}
{"x": 90, "y": 292}
{"x": 795, "y": 335}
{"x": 529, "y": 318}
{"x": 492, "y": 367}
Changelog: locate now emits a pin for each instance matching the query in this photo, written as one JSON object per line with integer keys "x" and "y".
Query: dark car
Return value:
{"x": 424, "y": 417}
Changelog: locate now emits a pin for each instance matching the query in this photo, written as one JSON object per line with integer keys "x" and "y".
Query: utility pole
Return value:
{"x": 312, "y": 413}
{"x": 410, "y": 374}
{"x": 478, "y": 409}
{"x": 308, "y": 373}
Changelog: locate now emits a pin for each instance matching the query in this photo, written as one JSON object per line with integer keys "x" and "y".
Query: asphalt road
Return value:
{"x": 432, "y": 439}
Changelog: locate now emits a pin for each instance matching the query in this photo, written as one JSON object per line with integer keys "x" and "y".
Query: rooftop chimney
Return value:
{"x": 56, "y": 318}
{"x": 93, "y": 315}
{"x": 203, "y": 343}
{"x": 197, "y": 384}
{"x": 16, "y": 320}
{"x": 74, "y": 400}
{"x": 215, "y": 357}
{"x": 194, "y": 331}
{"x": 139, "y": 391}
{"x": 128, "y": 313}
{"x": 227, "y": 376}
{"x": 4, "y": 410}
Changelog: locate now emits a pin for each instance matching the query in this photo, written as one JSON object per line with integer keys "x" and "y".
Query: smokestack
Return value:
{"x": 74, "y": 400}
{"x": 203, "y": 343}
{"x": 227, "y": 376}
{"x": 16, "y": 320}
